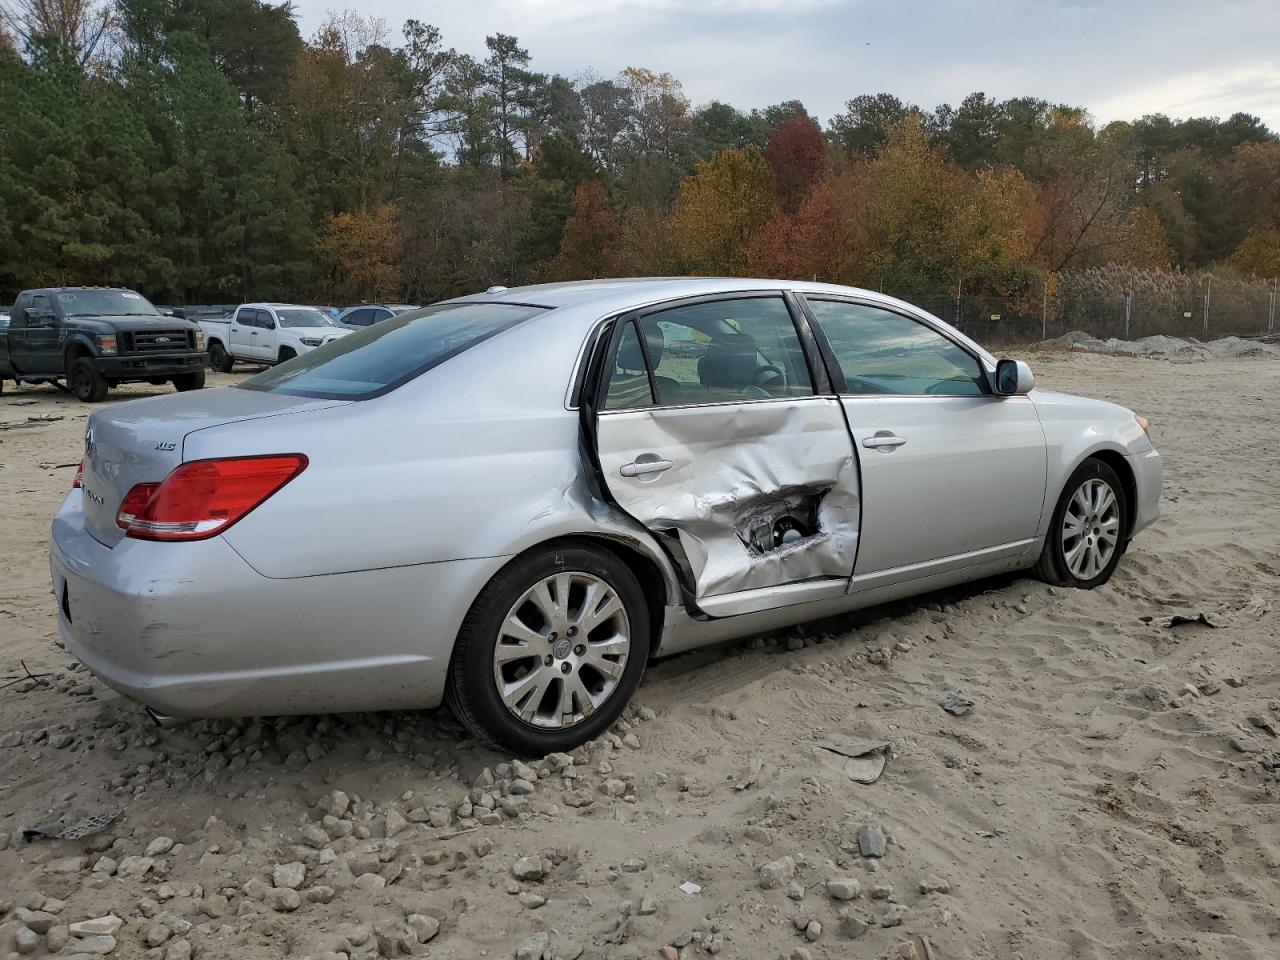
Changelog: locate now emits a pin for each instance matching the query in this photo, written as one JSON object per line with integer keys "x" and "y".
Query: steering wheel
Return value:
{"x": 768, "y": 374}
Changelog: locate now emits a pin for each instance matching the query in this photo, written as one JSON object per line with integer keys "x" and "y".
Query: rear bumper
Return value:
{"x": 1148, "y": 477}
{"x": 152, "y": 365}
{"x": 191, "y": 630}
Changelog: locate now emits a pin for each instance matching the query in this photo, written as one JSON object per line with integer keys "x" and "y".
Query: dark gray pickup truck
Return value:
{"x": 95, "y": 338}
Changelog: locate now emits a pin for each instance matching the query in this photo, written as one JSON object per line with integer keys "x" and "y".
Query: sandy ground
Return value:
{"x": 1113, "y": 793}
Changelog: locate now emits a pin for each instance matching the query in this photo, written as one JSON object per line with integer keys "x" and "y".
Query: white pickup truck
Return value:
{"x": 267, "y": 333}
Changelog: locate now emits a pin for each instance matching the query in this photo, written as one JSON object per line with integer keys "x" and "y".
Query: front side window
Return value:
{"x": 105, "y": 303}
{"x": 370, "y": 362}
{"x": 723, "y": 351}
{"x": 358, "y": 318}
{"x": 881, "y": 352}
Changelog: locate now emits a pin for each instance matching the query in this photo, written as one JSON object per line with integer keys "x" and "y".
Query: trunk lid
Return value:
{"x": 142, "y": 442}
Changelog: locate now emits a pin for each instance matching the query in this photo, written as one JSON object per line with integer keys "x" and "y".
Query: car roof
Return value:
{"x": 278, "y": 306}
{"x": 643, "y": 290}
{"x": 600, "y": 298}
{"x": 69, "y": 289}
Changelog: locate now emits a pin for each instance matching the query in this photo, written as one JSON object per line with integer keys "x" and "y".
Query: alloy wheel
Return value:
{"x": 1090, "y": 529}
{"x": 561, "y": 650}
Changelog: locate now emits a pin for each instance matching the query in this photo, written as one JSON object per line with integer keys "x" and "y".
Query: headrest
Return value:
{"x": 730, "y": 361}
{"x": 630, "y": 356}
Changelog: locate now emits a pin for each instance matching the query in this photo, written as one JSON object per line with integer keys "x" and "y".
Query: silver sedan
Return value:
{"x": 513, "y": 501}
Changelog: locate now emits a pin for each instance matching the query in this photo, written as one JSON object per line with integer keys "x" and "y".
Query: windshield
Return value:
{"x": 303, "y": 317}
{"x": 381, "y": 357}
{"x": 105, "y": 303}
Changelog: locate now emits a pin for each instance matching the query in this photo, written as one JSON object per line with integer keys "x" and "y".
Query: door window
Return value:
{"x": 721, "y": 351}
{"x": 359, "y": 318}
{"x": 629, "y": 378}
{"x": 40, "y": 313}
{"x": 881, "y": 352}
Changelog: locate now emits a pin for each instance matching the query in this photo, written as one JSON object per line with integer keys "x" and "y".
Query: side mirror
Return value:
{"x": 1013, "y": 378}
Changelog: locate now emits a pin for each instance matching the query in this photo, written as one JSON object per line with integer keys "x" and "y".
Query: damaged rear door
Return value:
{"x": 716, "y": 431}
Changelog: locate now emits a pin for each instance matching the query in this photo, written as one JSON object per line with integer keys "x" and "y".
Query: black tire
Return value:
{"x": 219, "y": 359}
{"x": 287, "y": 353}
{"x": 87, "y": 383}
{"x": 1052, "y": 566}
{"x": 189, "y": 381}
{"x": 472, "y": 691}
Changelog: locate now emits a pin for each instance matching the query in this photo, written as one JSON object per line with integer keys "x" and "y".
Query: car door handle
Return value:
{"x": 253, "y": 333}
{"x": 883, "y": 439}
{"x": 640, "y": 468}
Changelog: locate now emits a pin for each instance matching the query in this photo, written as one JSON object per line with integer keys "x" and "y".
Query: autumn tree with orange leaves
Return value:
{"x": 360, "y": 253}
{"x": 719, "y": 208}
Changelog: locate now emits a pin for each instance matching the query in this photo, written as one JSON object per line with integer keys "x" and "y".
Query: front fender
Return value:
{"x": 79, "y": 345}
{"x": 1077, "y": 428}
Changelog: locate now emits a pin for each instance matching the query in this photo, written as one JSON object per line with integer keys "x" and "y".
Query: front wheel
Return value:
{"x": 287, "y": 353}
{"x": 87, "y": 382}
{"x": 1087, "y": 532}
{"x": 552, "y": 650}
{"x": 219, "y": 359}
{"x": 189, "y": 381}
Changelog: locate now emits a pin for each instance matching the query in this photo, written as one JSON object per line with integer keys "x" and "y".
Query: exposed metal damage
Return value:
{"x": 764, "y": 497}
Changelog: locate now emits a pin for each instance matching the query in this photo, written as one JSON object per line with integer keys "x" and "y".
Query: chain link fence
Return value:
{"x": 1174, "y": 305}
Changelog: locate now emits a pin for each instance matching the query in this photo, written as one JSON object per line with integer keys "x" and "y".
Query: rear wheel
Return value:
{"x": 189, "y": 381}
{"x": 552, "y": 650}
{"x": 87, "y": 383}
{"x": 1086, "y": 533}
{"x": 219, "y": 359}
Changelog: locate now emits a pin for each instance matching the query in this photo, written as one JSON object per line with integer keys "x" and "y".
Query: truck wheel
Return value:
{"x": 189, "y": 381}
{"x": 87, "y": 383}
{"x": 219, "y": 359}
{"x": 287, "y": 353}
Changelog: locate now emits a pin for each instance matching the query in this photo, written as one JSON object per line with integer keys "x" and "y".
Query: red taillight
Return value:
{"x": 134, "y": 502}
{"x": 76, "y": 484}
{"x": 203, "y": 498}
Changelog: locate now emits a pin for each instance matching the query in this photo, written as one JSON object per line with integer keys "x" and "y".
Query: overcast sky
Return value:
{"x": 1119, "y": 58}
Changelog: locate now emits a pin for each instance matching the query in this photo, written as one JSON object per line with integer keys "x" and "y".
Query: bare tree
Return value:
{"x": 79, "y": 25}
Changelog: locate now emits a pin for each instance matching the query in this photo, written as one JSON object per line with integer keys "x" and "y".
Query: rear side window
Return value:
{"x": 381, "y": 357}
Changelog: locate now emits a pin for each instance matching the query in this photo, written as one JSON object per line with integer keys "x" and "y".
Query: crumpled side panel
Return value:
{"x": 759, "y": 494}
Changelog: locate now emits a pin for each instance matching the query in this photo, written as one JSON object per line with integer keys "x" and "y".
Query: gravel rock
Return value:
{"x": 396, "y": 822}
{"x": 851, "y": 927}
{"x": 157, "y": 935}
{"x": 423, "y": 926}
{"x": 633, "y": 865}
{"x": 531, "y": 901}
{"x": 178, "y": 950}
{"x": 96, "y": 946}
{"x": 777, "y": 872}
{"x": 844, "y": 889}
{"x": 106, "y": 926}
{"x": 38, "y": 920}
{"x": 289, "y": 875}
{"x": 159, "y": 846}
{"x": 27, "y": 941}
{"x": 135, "y": 867}
{"x": 336, "y": 804}
{"x": 812, "y": 931}
{"x": 56, "y": 939}
{"x": 934, "y": 885}
{"x": 533, "y": 948}
{"x": 528, "y": 868}
{"x": 284, "y": 899}
{"x": 871, "y": 840}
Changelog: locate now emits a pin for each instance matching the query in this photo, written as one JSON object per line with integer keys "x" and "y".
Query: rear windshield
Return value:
{"x": 381, "y": 357}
